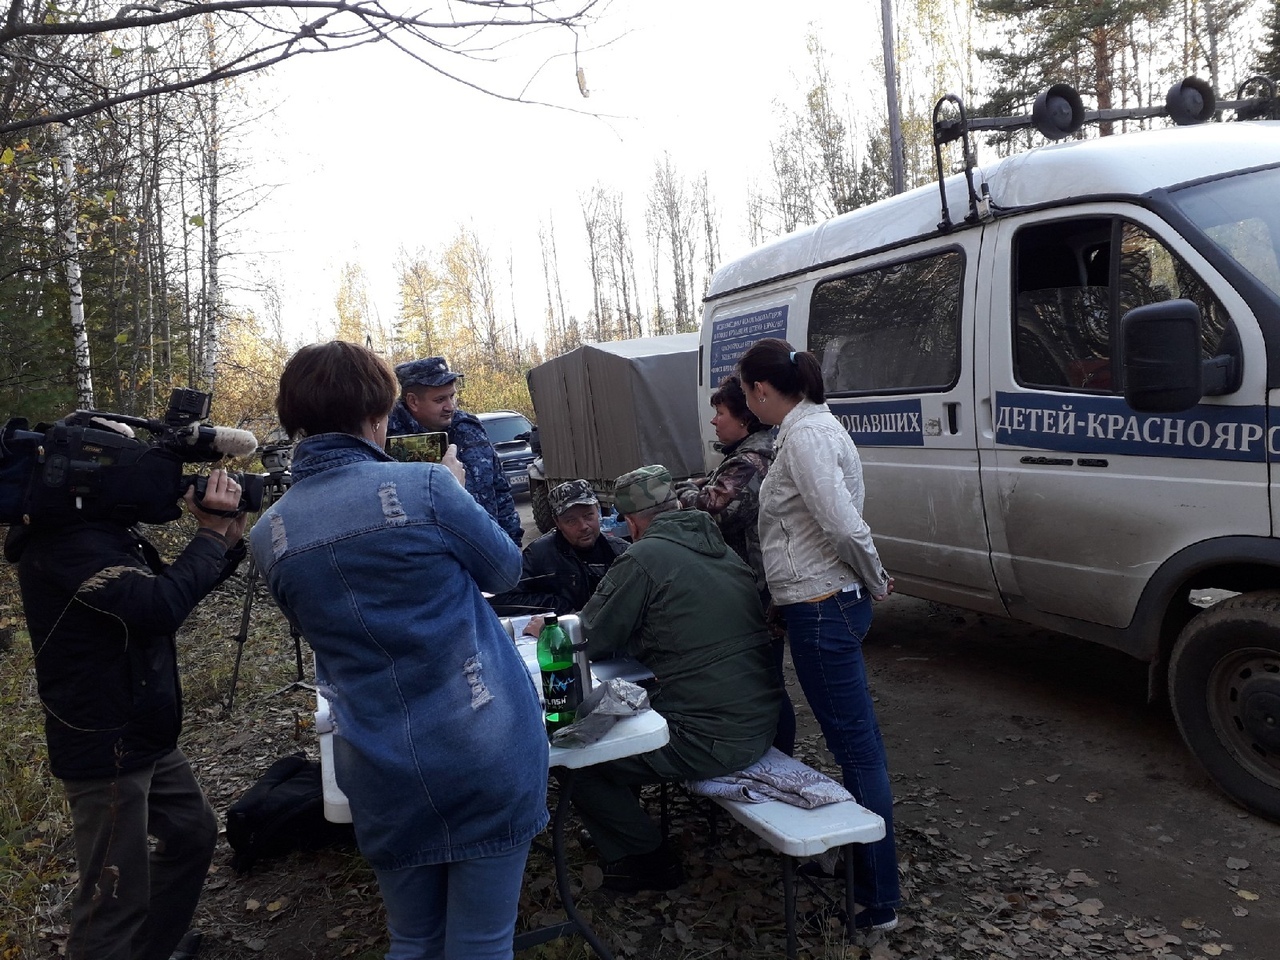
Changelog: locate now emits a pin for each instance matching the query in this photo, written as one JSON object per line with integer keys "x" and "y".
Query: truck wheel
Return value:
{"x": 1224, "y": 687}
{"x": 541, "y": 505}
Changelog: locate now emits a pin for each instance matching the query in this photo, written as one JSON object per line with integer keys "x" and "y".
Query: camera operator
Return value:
{"x": 102, "y": 611}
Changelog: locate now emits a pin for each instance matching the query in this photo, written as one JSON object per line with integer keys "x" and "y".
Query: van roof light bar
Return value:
{"x": 1059, "y": 112}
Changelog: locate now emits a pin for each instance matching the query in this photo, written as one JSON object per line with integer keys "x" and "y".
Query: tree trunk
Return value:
{"x": 71, "y": 251}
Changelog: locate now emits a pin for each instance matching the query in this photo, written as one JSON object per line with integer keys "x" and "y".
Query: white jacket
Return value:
{"x": 812, "y": 533}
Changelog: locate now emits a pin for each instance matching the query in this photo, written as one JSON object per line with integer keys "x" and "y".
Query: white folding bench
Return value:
{"x": 796, "y": 832}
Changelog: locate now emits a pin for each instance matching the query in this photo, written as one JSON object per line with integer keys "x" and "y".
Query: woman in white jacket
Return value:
{"x": 823, "y": 571}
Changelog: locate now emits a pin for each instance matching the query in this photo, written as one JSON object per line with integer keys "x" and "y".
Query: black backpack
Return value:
{"x": 283, "y": 811}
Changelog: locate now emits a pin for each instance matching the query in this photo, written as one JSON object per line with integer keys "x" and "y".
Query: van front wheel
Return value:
{"x": 1224, "y": 687}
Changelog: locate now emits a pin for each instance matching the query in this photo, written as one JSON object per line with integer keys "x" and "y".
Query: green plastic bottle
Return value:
{"x": 560, "y": 692}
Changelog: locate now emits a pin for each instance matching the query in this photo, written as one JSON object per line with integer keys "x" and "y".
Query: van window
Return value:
{"x": 1241, "y": 214}
{"x": 1070, "y": 292}
{"x": 892, "y": 329}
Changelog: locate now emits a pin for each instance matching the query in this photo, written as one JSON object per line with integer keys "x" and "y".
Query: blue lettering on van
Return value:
{"x": 1108, "y": 425}
{"x": 884, "y": 423}
{"x": 732, "y": 336}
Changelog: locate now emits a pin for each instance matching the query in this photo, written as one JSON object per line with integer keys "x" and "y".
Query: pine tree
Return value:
{"x": 1268, "y": 57}
{"x": 1060, "y": 41}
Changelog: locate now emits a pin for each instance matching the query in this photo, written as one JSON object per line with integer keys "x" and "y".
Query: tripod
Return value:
{"x": 273, "y": 486}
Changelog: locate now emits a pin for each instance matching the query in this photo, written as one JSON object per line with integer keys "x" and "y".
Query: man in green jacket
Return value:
{"x": 684, "y": 605}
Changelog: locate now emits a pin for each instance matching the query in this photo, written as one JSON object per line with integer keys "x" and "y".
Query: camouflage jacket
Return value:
{"x": 732, "y": 496}
{"x": 485, "y": 479}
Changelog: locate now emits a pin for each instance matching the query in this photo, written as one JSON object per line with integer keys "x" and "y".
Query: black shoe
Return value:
{"x": 657, "y": 870}
{"x": 817, "y": 870}
{"x": 188, "y": 946}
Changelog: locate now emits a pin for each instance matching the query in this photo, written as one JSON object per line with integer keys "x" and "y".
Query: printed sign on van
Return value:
{"x": 732, "y": 336}
{"x": 891, "y": 423}
{"x": 1108, "y": 425}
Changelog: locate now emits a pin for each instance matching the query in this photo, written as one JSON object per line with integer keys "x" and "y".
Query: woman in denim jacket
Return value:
{"x": 438, "y": 736}
{"x": 823, "y": 571}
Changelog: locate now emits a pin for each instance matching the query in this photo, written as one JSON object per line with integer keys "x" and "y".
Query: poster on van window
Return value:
{"x": 731, "y": 337}
{"x": 1108, "y": 425}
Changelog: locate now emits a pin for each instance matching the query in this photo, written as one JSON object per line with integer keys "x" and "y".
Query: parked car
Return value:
{"x": 509, "y": 433}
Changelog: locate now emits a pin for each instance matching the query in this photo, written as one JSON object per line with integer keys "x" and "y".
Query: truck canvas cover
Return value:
{"x": 606, "y": 408}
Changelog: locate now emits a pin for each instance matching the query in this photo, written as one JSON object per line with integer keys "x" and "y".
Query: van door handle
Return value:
{"x": 953, "y": 417}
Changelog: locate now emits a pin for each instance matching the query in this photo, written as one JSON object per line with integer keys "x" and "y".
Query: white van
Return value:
{"x": 1066, "y": 404}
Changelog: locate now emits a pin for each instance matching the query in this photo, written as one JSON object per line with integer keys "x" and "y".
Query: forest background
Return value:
{"x": 125, "y": 269}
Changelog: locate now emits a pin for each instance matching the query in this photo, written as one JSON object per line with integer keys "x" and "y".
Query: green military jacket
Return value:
{"x": 684, "y": 605}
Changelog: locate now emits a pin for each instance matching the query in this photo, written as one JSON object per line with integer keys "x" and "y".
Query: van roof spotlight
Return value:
{"x": 1190, "y": 101}
{"x": 1058, "y": 112}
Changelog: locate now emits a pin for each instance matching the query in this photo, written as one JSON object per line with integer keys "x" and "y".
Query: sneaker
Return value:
{"x": 877, "y": 919}
{"x": 656, "y": 870}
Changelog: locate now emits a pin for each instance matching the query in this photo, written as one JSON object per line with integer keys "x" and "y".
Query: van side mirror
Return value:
{"x": 1160, "y": 357}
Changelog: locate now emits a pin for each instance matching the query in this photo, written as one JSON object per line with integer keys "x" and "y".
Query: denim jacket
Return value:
{"x": 812, "y": 534}
{"x": 438, "y": 743}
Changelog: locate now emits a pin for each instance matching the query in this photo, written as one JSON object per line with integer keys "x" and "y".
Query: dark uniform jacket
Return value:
{"x": 102, "y": 611}
{"x": 685, "y": 605}
{"x": 557, "y": 577}
{"x": 485, "y": 480}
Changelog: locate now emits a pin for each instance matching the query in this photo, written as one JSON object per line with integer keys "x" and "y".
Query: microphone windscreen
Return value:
{"x": 233, "y": 443}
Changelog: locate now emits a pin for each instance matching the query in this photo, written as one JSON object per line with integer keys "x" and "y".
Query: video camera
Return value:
{"x": 90, "y": 464}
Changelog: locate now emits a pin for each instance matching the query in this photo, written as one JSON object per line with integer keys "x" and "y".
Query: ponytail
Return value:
{"x": 793, "y": 373}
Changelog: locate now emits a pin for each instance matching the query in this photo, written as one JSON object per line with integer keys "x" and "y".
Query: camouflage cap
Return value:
{"x": 643, "y": 488}
{"x": 570, "y": 494}
{"x": 427, "y": 372}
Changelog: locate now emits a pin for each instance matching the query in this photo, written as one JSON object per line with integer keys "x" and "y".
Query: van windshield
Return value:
{"x": 1241, "y": 215}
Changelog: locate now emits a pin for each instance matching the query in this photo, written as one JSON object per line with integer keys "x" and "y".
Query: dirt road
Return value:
{"x": 1036, "y": 740}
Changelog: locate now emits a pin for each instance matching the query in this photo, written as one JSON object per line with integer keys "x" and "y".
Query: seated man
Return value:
{"x": 684, "y": 605}
{"x": 563, "y": 567}
{"x": 429, "y": 404}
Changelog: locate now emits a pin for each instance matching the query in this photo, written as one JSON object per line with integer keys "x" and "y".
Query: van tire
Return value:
{"x": 1224, "y": 688}
{"x": 541, "y": 502}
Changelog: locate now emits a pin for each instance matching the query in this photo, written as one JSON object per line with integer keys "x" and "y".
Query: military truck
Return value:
{"x": 606, "y": 408}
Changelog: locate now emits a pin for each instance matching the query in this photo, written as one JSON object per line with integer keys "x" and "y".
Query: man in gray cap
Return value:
{"x": 684, "y": 605}
{"x": 564, "y": 565}
{"x": 428, "y": 403}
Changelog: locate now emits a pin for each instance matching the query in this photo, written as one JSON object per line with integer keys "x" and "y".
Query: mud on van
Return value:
{"x": 1068, "y": 403}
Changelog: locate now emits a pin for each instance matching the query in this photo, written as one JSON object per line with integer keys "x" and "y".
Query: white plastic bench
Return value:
{"x": 796, "y": 832}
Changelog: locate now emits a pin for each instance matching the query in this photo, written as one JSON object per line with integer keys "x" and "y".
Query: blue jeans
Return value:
{"x": 826, "y": 650}
{"x": 465, "y": 910}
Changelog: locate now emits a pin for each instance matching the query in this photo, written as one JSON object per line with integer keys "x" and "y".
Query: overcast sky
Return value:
{"x": 371, "y": 153}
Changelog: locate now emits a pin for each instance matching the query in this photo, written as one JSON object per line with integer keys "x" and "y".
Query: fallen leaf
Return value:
{"x": 251, "y": 905}
{"x": 1212, "y": 949}
{"x": 1092, "y": 796}
{"x": 1235, "y": 863}
{"x": 1090, "y": 908}
{"x": 1052, "y": 778}
{"x": 1246, "y": 895}
{"x": 1192, "y": 923}
{"x": 276, "y": 905}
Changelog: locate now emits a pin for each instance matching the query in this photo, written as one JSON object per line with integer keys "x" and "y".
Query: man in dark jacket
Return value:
{"x": 102, "y": 611}
{"x": 429, "y": 402}
{"x": 563, "y": 567}
{"x": 684, "y": 605}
